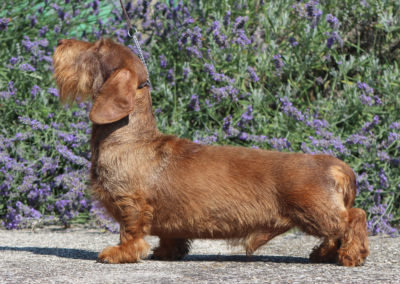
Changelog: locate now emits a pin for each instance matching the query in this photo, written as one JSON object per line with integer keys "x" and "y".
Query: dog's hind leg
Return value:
{"x": 257, "y": 239}
{"x": 135, "y": 217}
{"x": 354, "y": 244}
{"x": 349, "y": 247}
{"x": 171, "y": 249}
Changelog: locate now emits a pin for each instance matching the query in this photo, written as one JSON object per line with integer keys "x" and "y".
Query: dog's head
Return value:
{"x": 105, "y": 71}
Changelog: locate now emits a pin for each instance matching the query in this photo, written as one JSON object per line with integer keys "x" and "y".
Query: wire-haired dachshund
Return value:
{"x": 156, "y": 184}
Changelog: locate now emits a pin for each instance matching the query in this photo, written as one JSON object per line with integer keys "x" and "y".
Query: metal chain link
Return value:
{"x": 135, "y": 40}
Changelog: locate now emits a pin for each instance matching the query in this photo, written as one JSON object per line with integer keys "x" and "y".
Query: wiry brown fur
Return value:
{"x": 156, "y": 184}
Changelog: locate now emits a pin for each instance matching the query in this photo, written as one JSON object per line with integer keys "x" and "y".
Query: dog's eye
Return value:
{"x": 144, "y": 84}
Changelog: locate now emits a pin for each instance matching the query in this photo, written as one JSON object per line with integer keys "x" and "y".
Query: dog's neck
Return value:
{"x": 138, "y": 126}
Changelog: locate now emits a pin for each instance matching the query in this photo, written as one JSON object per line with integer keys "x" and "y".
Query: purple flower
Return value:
{"x": 209, "y": 139}
{"x": 241, "y": 38}
{"x": 366, "y": 100}
{"x": 395, "y": 125}
{"x": 35, "y": 90}
{"x": 240, "y": 22}
{"x": 358, "y": 139}
{"x": 318, "y": 124}
{"x": 215, "y": 26}
{"x": 224, "y": 92}
{"x": 383, "y": 179}
{"x": 243, "y": 136}
{"x": 220, "y": 39}
{"x": 189, "y": 20}
{"x": 163, "y": 61}
{"x": 194, "y": 102}
{"x": 278, "y": 62}
{"x": 334, "y": 37}
{"x": 210, "y": 69}
{"x": 366, "y": 91}
{"x": 196, "y": 36}
{"x": 95, "y": 6}
{"x": 171, "y": 77}
{"x": 393, "y": 137}
{"x": 27, "y": 67}
{"x": 11, "y": 89}
{"x": 253, "y": 74}
{"x": 186, "y": 72}
{"x": 4, "y": 23}
{"x": 33, "y": 20}
{"x": 13, "y": 60}
{"x": 279, "y": 143}
{"x": 27, "y": 43}
{"x": 248, "y": 115}
{"x": 313, "y": 13}
{"x": 61, "y": 204}
{"x": 333, "y": 21}
{"x": 53, "y": 91}
{"x": 227, "y": 18}
{"x": 192, "y": 50}
{"x": 183, "y": 38}
{"x": 13, "y": 219}
{"x": 43, "y": 31}
{"x": 370, "y": 124}
{"x": 290, "y": 110}
{"x": 70, "y": 156}
{"x": 377, "y": 101}
{"x": 383, "y": 156}
{"x": 293, "y": 42}
{"x": 227, "y": 125}
{"x": 365, "y": 88}
{"x": 57, "y": 29}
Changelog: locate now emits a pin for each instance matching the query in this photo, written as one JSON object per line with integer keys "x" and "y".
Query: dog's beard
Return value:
{"x": 78, "y": 77}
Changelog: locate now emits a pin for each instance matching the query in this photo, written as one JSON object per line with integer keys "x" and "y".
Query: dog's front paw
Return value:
{"x": 126, "y": 253}
{"x": 115, "y": 255}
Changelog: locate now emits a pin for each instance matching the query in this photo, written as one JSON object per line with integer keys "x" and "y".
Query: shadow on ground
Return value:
{"x": 244, "y": 258}
{"x": 59, "y": 252}
{"x": 90, "y": 255}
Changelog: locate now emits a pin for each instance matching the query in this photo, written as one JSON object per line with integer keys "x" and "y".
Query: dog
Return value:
{"x": 161, "y": 185}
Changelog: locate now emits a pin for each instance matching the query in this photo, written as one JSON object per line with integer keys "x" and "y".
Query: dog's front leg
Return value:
{"x": 135, "y": 222}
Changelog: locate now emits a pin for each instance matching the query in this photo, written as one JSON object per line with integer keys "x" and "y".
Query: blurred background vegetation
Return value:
{"x": 304, "y": 76}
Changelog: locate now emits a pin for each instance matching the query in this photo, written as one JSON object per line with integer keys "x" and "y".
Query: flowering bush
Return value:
{"x": 285, "y": 75}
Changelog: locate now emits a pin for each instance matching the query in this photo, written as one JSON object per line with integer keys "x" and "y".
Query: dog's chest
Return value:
{"x": 124, "y": 169}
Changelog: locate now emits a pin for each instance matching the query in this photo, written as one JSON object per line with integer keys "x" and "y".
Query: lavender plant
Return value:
{"x": 287, "y": 75}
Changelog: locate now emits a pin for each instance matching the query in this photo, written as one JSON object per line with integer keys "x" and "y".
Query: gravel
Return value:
{"x": 54, "y": 255}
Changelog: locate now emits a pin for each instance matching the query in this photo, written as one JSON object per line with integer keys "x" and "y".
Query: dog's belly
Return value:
{"x": 211, "y": 222}
{"x": 218, "y": 231}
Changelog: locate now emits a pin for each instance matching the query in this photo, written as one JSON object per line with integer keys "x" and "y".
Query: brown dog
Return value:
{"x": 155, "y": 184}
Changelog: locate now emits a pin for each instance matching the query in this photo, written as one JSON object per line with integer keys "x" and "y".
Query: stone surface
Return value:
{"x": 53, "y": 255}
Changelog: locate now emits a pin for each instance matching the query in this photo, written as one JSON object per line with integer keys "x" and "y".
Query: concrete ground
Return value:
{"x": 53, "y": 255}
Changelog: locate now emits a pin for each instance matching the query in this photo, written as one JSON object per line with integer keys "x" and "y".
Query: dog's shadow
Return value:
{"x": 244, "y": 258}
{"x": 91, "y": 255}
{"x": 59, "y": 252}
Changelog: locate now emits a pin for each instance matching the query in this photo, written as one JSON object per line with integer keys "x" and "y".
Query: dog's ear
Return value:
{"x": 115, "y": 98}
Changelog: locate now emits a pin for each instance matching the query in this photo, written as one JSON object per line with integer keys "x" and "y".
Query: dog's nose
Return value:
{"x": 60, "y": 42}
